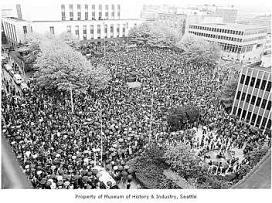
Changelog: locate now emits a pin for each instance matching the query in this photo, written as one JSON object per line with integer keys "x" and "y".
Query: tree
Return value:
{"x": 179, "y": 116}
{"x": 198, "y": 51}
{"x": 156, "y": 34}
{"x": 62, "y": 68}
{"x": 228, "y": 94}
{"x": 183, "y": 160}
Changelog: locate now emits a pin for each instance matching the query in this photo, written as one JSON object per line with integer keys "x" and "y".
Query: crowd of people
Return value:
{"x": 59, "y": 149}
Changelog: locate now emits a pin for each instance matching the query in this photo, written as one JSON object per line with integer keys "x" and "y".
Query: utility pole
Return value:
{"x": 101, "y": 135}
{"x": 151, "y": 114}
{"x": 71, "y": 98}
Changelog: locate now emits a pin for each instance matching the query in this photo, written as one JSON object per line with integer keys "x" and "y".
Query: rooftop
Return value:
{"x": 15, "y": 19}
{"x": 235, "y": 26}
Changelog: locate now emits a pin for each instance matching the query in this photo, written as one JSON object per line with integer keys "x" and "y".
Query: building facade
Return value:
{"x": 244, "y": 43}
{"x": 84, "y": 19}
{"x": 252, "y": 102}
{"x": 229, "y": 14}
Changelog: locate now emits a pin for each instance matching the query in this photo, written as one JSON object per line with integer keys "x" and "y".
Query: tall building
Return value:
{"x": 229, "y": 14}
{"x": 84, "y": 19}
{"x": 253, "y": 95}
{"x": 244, "y": 43}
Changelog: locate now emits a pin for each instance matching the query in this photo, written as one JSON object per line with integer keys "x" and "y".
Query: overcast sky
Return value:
{"x": 258, "y": 5}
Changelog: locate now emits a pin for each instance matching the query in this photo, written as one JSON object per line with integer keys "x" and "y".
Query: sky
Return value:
{"x": 253, "y": 5}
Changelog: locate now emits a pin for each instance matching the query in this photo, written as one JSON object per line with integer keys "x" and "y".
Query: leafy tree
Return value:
{"x": 228, "y": 94}
{"x": 156, "y": 34}
{"x": 178, "y": 117}
{"x": 198, "y": 51}
{"x": 62, "y": 68}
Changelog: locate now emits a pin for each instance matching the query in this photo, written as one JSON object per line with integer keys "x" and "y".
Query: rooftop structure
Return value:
{"x": 244, "y": 43}
{"x": 85, "y": 20}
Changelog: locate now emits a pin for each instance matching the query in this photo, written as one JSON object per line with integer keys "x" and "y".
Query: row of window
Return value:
{"x": 254, "y": 39}
{"x": 86, "y": 6}
{"x": 259, "y": 83}
{"x": 260, "y": 121}
{"x": 217, "y": 36}
{"x": 252, "y": 99}
{"x": 107, "y": 28}
{"x": 234, "y": 32}
{"x": 93, "y": 16}
{"x": 255, "y": 31}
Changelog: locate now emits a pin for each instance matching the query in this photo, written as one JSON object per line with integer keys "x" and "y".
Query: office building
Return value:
{"x": 252, "y": 102}
{"x": 84, "y": 19}
{"x": 244, "y": 43}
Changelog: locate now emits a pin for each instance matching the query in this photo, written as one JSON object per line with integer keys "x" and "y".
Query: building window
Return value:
{"x": 248, "y": 116}
{"x": 239, "y": 112}
{"x": 93, "y": 15}
{"x": 100, "y": 15}
{"x": 244, "y": 114}
{"x": 247, "y": 80}
{"x": 259, "y": 121}
{"x": 68, "y": 28}
{"x": 105, "y": 29}
{"x": 86, "y": 15}
{"x": 100, "y": 7}
{"x": 252, "y": 81}
{"x": 248, "y": 98}
{"x": 71, "y": 6}
{"x": 84, "y": 29}
{"x": 264, "y": 103}
{"x": 243, "y": 96}
{"x": 268, "y": 106}
{"x": 263, "y": 84}
{"x": 268, "y": 124}
{"x": 25, "y": 29}
{"x": 253, "y": 99}
{"x": 258, "y": 83}
{"x": 78, "y": 6}
{"x": 92, "y": 29}
{"x": 264, "y": 122}
{"x": 71, "y": 15}
{"x": 242, "y": 79}
{"x": 52, "y": 30}
{"x": 258, "y": 101}
{"x": 78, "y": 15}
{"x": 268, "y": 87}
{"x": 254, "y": 116}
{"x": 86, "y": 6}
{"x": 62, "y": 15}
{"x": 238, "y": 95}
{"x": 77, "y": 31}
{"x": 63, "y": 12}
{"x": 98, "y": 29}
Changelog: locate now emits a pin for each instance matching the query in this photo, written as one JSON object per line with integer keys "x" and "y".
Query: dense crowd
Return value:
{"x": 59, "y": 149}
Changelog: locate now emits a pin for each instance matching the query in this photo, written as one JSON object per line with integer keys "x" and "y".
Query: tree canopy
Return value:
{"x": 199, "y": 51}
{"x": 61, "y": 67}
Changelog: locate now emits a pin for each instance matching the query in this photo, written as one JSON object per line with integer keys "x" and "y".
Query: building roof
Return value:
{"x": 234, "y": 26}
{"x": 15, "y": 19}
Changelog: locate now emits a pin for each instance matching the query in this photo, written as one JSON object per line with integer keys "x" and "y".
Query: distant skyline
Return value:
{"x": 254, "y": 6}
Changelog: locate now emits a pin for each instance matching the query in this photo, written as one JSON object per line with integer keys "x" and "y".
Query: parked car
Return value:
{"x": 18, "y": 79}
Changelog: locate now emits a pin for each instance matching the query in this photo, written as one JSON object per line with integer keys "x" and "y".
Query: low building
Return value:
{"x": 252, "y": 102}
{"x": 85, "y": 20}
{"x": 244, "y": 43}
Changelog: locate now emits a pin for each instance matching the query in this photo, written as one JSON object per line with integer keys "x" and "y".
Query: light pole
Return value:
{"x": 151, "y": 114}
{"x": 101, "y": 135}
